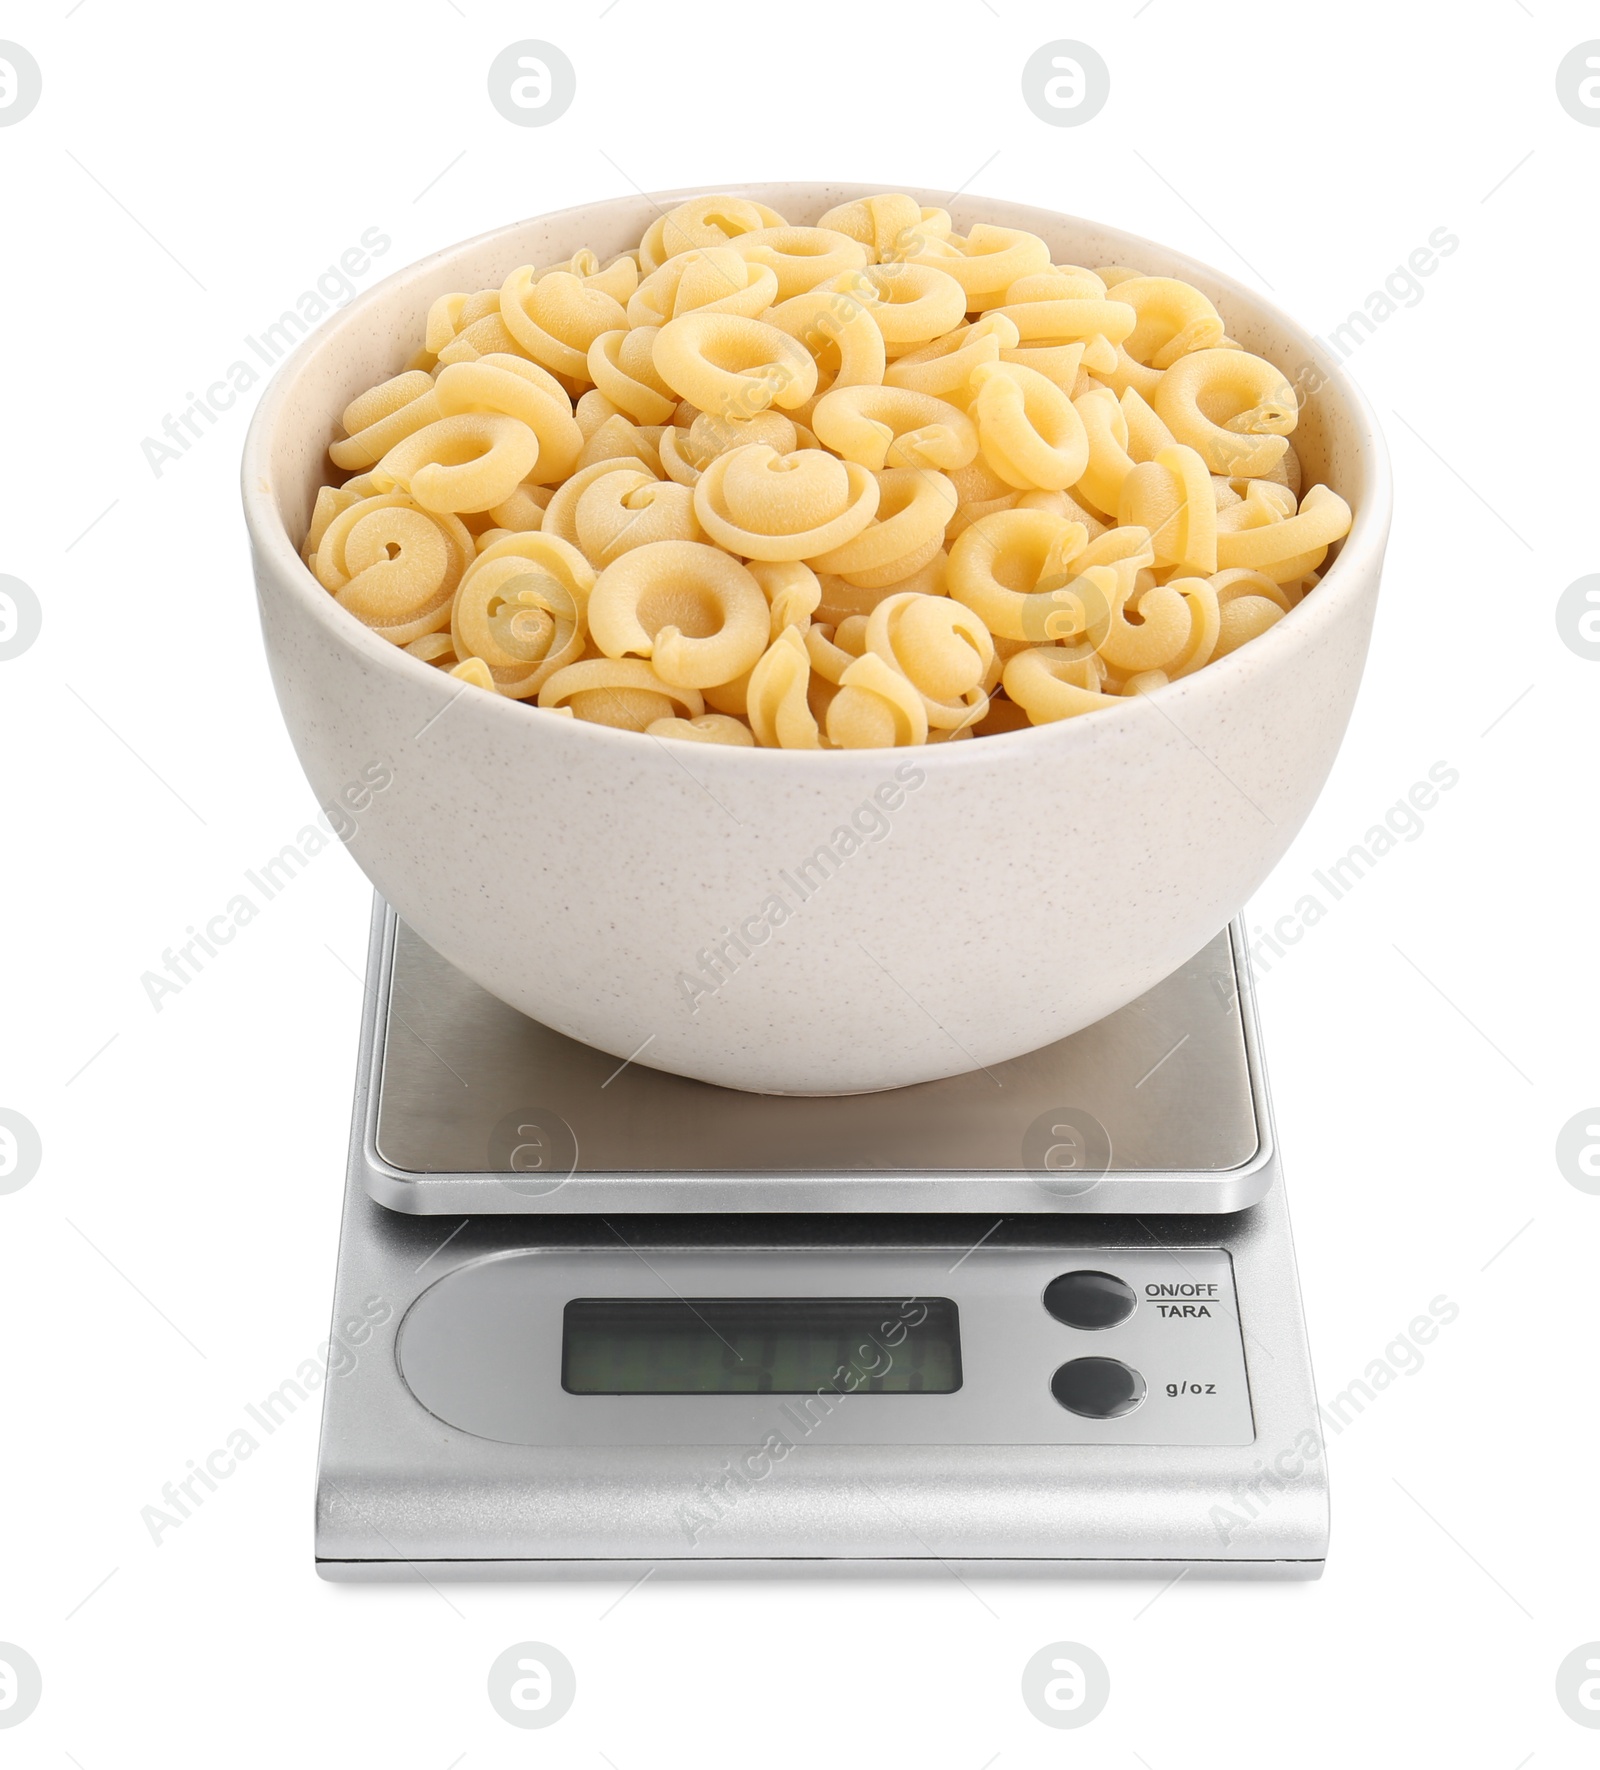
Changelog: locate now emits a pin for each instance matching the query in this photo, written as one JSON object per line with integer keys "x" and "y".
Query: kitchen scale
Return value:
{"x": 604, "y": 1321}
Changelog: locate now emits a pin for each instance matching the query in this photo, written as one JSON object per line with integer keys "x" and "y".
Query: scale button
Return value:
{"x": 1089, "y": 1299}
{"x": 1097, "y": 1388}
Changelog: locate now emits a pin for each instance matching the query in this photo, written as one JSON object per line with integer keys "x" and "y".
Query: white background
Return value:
{"x": 188, "y": 172}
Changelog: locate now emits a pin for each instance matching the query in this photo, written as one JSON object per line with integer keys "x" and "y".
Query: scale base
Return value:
{"x": 452, "y": 1449}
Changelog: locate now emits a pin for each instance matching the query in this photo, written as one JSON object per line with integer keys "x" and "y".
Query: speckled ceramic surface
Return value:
{"x": 791, "y": 921}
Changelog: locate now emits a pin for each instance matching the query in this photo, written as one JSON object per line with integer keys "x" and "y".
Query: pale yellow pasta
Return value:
{"x": 911, "y": 304}
{"x": 703, "y": 221}
{"x": 876, "y": 708}
{"x": 889, "y": 226}
{"x": 1050, "y": 684}
{"x": 732, "y": 366}
{"x": 1171, "y": 496}
{"x": 520, "y": 610}
{"x": 906, "y": 530}
{"x": 709, "y": 728}
{"x": 944, "y": 367}
{"x": 801, "y": 257}
{"x": 1296, "y": 545}
{"x": 894, "y": 427}
{"x": 394, "y": 565}
{"x": 686, "y": 453}
{"x": 764, "y": 505}
{"x": 622, "y": 367}
{"x": 522, "y": 390}
{"x": 941, "y": 648}
{"x": 1029, "y": 431}
{"x": 1234, "y": 408}
{"x": 617, "y": 439}
{"x": 385, "y": 416}
{"x": 1105, "y": 423}
{"x": 842, "y": 337}
{"x": 1011, "y": 568}
{"x": 470, "y": 462}
{"x": 557, "y": 317}
{"x": 780, "y": 714}
{"x": 621, "y": 692}
{"x": 857, "y": 482}
{"x": 711, "y": 279}
{"x": 793, "y": 592}
{"x": 630, "y": 508}
{"x": 693, "y": 610}
{"x": 1244, "y": 618}
{"x": 991, "y": 259}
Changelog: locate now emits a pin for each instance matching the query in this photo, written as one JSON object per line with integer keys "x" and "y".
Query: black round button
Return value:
{"x": 1089, "y": 1299}
{"x": 1097, "y": 1388}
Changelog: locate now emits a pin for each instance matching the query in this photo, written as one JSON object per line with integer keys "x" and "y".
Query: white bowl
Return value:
{"x": 997, "y": 894}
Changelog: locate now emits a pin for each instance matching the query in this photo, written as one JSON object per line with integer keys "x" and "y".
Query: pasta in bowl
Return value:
{"x": 833, "y": 661}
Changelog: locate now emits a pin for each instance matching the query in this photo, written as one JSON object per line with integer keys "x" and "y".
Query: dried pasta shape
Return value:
{"x": 621, "y": 692}
{"x": 435, "y": 648}
{"x": 906, "y": 531}
{"x": 780, "y": 714}
{"x": 522, "y": 390}
{"x": 1282, "y": 550}
{"x": 1243, "y": 619}
{"x": 703, "y": 221}
{"x": 524, "y": 510}
{"x": 732, "y": 366}
{"x": 944, "y": 368}
{"x": 941, "y": 648}
{"x": 990, "y": 260}
{"x": 1106, "y": 425}
{"x": 1171, "y": 496}
{"x": 618, "y": 440}
{"x": 764, "y": 505}
{"x": 1012, "y": 569}
{"x": 520, "y": 609}
{"x": 1029, "y": 431}
{"x": 1237, "y": 581}
{"x": 890, "y": 226}
{"x": 384, "y": 416}
{"x": 842, "y": 337}
{"x": 1050, "y": 684}
{"x": 622, "y": 367}
{"x": 1235, "y": 409}
{"x": 801, "y": 257}
{"x": 911, "y": 304}
{"x": 793, "y": 592}
{"x": 894, "y": 427}
{"x": 556, "y": 317}
{"x": 685, "y": 454}
{"x": 1205, "y": 626}
{"x": 331, "y": 500}
{"x": 394, "y": 565}
{"x": 630, "y": 508}
{"x": 696, "y": 613}
{"x": 1042, "y": 320}
{"x": 618, "y": 279}
{"x": 449, "y": 316}
{"x": 468, "y": 462}
{"x": 876, "y": 708}
{"x": 1147, "y": 435}
{"x": 561, "y": 513}
{"x": 709, "y": 728}
{"x": 711, "y": 279}
{"x": 1163, "y": 634}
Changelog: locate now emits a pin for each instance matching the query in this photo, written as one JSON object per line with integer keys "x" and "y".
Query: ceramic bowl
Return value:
{"x": 804, "y": 922}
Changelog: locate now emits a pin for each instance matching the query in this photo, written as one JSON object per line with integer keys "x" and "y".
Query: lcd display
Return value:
{"x": 760, "y": 1346}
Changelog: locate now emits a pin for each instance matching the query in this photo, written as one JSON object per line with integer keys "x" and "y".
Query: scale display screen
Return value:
{"x": 760, "y": 1346}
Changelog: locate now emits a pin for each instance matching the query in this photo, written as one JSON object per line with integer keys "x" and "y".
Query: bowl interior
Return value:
{"x": 374, "y": 335}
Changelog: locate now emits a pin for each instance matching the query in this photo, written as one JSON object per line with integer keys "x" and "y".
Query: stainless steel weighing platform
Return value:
{"x": 1041, "y": 1318}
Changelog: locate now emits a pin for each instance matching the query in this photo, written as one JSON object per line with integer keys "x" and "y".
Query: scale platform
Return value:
{"x": 596, "y": 1319}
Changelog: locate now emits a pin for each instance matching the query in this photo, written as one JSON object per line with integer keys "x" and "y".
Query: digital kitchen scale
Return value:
{"x": 600, "y": 1320}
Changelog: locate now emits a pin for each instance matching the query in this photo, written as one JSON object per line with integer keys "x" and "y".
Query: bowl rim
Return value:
{"x": 1360, "y": 552}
